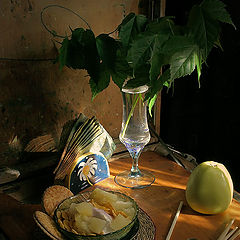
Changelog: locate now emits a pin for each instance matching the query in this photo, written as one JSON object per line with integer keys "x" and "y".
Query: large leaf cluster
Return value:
{"x": 154, "y": 53}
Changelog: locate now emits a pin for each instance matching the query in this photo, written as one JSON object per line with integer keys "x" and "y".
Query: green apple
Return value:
{"x": 209, "y": 189}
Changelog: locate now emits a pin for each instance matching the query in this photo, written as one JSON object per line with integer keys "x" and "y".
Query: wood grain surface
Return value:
{"x": 160, "y": 201}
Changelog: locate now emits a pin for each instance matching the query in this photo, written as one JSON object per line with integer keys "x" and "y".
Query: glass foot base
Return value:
{"x": 125, "y": 179}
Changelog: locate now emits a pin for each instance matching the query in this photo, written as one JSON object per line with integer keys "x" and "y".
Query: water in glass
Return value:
{"x": 134, "y": 135}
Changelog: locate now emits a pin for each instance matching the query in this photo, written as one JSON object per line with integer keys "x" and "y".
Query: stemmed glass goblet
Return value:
{"x": 134, "y": 135}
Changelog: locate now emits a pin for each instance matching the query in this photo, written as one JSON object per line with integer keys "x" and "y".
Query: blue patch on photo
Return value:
{"x": 88, "y": 170}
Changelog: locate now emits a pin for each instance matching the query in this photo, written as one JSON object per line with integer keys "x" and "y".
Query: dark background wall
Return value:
{"x": 205, "y": 121}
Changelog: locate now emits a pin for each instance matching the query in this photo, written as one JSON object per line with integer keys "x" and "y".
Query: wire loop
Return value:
{"x": 59, "y": 6}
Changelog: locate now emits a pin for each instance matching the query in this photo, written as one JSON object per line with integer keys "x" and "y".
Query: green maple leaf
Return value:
{"x": 140, "y": 78}
{"x": 158, "y": 58}
{"x": 155, "y": 87}
{"x": 121, "y": 69}
{"x": 176, "y": 44}
{"x": 90, "y": 52}
{"x": 204, "y": 29}
{"x": 184, "y": 62}
{"x": 63, "y": 53}
{"x": 130, "y": 27}
{"x": 107, "y": 48}
{"x": 140, "y": 51}
{"x": 217, "y": 10}
{"x": 163, "y": 25}
{"x": 158, "y": 84}
{"x": 71, "y": 55}
{"x": 94, "y": 88}
{"x": 145, "y": 47}
{"x": 83, "y": 52}
{"x": 75, "y": 56}
{"x": 113, "y": 57}
{"x": 184, "y": 56}
{"x": 99, "y": 81}
{"x": 151, "y": 103}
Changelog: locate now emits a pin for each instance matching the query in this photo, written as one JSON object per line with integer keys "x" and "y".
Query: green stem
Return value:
{"x": 130, "y": 114}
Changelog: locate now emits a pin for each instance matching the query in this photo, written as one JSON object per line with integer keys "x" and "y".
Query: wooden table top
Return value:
{"x": 160, "y": 201}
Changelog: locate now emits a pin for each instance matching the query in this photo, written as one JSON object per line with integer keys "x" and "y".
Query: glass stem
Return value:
{"x": 135, "y": 172}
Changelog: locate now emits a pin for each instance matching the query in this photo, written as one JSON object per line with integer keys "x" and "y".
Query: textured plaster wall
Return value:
{"x": 35, "y": 97}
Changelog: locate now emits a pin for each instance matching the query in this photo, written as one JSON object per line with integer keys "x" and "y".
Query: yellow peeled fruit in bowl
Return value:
{"x": 210, "y": 188}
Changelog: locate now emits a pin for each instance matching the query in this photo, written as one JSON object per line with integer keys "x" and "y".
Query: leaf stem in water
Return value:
{"x": 138, "y": 96}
